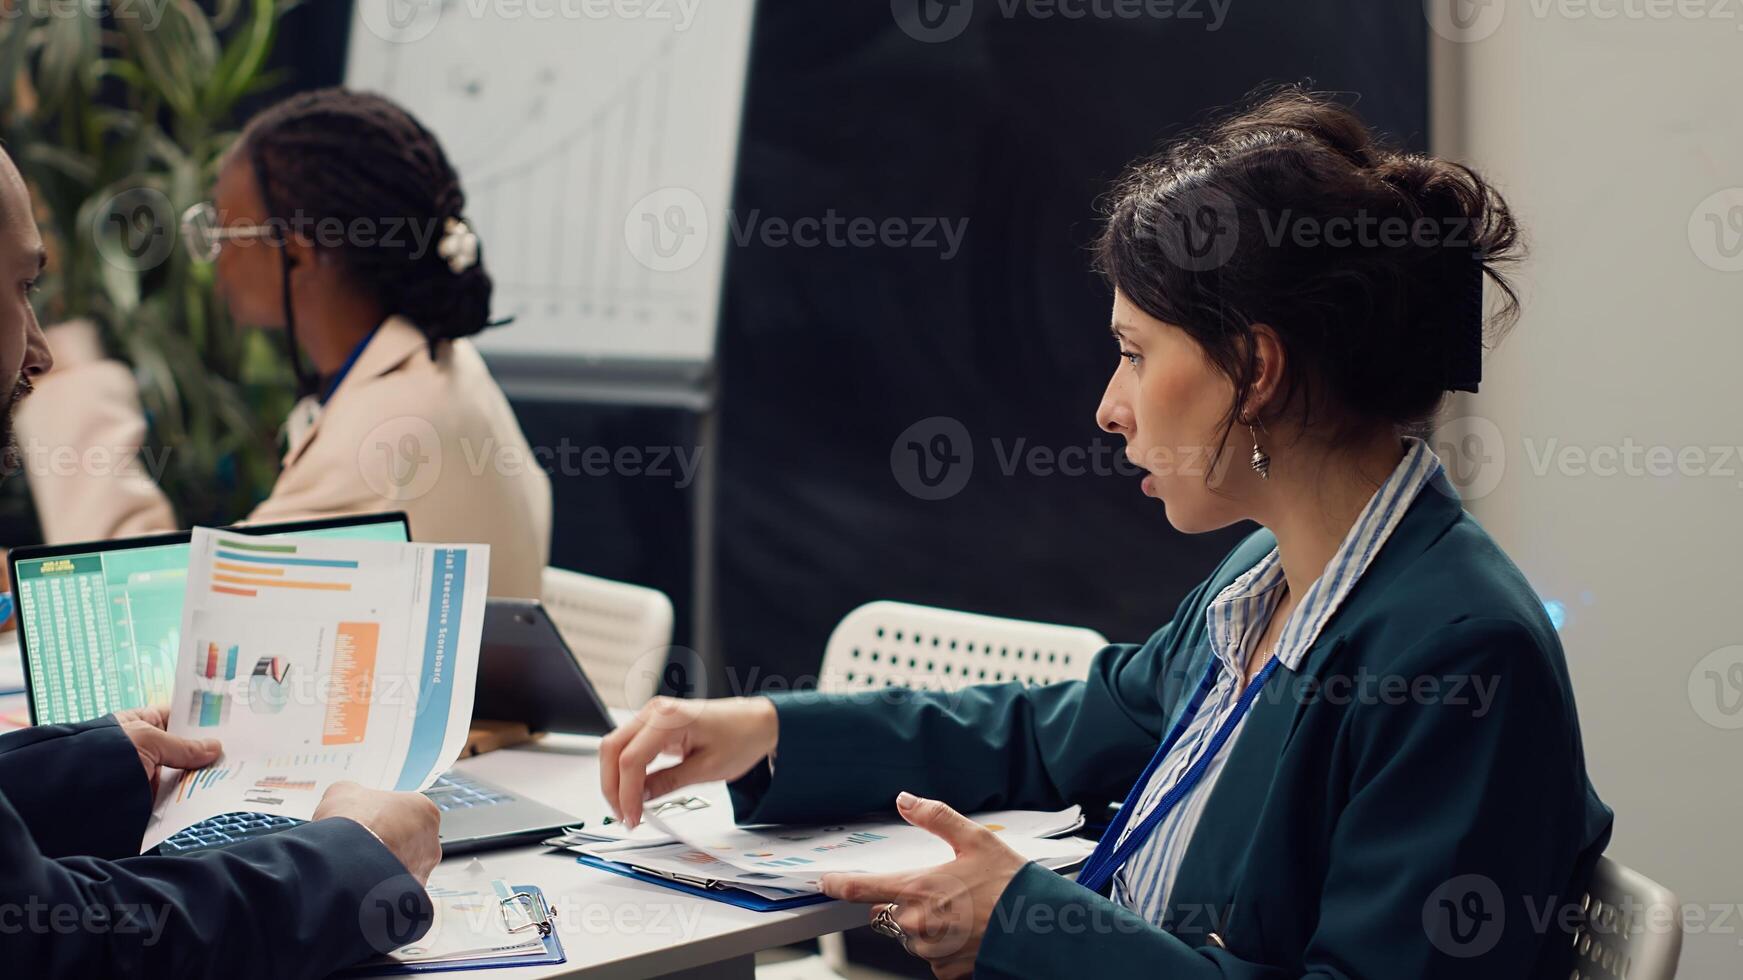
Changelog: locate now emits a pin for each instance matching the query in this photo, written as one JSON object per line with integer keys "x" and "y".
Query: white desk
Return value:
{"x": 612, "y": 926}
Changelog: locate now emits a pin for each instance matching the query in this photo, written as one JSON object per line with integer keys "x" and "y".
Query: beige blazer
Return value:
{"x": 435, "y": 438}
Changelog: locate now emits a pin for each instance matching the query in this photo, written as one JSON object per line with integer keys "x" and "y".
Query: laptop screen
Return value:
{"x": 101, "y": 628}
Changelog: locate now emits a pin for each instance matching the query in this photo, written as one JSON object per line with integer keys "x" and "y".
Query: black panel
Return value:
{"x": 829, "y": 353}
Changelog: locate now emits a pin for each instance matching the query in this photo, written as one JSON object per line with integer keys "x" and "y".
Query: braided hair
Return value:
{"x": 331, "y": 161}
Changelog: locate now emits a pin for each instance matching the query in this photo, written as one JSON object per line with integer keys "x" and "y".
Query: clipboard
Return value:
{"x": 718, "y": 893}
{"x": 524, "y": 908}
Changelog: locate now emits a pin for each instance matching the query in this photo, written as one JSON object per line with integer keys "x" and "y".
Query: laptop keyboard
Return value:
{"x": 451, "y": 791}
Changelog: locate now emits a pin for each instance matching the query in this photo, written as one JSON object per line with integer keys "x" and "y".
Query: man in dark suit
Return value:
{"x": 77, "y": 899}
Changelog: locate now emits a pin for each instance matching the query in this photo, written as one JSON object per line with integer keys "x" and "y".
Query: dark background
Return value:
{"x": 826, "y": 355}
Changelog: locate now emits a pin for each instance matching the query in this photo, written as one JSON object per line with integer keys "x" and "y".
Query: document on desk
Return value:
{"x": 316, "y": 661}
{"x": 794, "y": 859}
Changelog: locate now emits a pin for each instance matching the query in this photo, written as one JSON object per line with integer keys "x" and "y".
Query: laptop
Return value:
{"x": 99, "y": 628}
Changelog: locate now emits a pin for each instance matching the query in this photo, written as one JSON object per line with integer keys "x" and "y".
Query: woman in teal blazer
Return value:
{"x": 1353, "y": 752}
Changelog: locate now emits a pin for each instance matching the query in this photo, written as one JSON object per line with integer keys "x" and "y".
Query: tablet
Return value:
{"x": 527, "y": 674}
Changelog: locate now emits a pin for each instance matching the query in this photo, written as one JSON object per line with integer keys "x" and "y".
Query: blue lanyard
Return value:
{"x": 1110, "y": 852}
{"x": 332, "y": 384}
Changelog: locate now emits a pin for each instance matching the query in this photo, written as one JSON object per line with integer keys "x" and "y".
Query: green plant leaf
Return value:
{"x": 240, "y": 66}
{"x": 68, "y": 44}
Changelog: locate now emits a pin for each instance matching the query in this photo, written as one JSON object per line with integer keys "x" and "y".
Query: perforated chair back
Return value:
{"x": 615, "y": 630}
{"x": 1632, "y": 928}
{"x": 897, "y": 644}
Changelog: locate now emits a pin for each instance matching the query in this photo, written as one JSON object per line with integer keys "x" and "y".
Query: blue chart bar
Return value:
{"x": 275, "y": 560}
{"x": 207, "y": 709}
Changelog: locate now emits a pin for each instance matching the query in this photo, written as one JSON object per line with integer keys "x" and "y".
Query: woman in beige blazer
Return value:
{"x": 336, "y": 219}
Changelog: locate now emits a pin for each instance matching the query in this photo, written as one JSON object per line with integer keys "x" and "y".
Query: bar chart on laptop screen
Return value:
{"x": 103, "y": 629}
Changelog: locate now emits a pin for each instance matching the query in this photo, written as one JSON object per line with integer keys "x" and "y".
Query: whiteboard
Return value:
{"x": 596, "y": 142}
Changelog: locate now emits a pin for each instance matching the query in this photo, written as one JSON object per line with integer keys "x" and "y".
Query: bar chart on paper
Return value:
{"x": 245, "y": 568}
{"x": 208, "y": 709}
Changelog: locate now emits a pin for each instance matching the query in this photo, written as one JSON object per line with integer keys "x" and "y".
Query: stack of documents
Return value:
{"x": 784, "y": 865}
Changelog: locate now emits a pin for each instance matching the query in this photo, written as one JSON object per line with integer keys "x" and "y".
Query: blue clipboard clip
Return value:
{"x": 527, "y": 910}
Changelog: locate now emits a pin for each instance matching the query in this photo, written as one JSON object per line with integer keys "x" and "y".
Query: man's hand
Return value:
{"x": 943, "y": 911}
{"x": 157, "y": 747}
{"x": 406, "y": 823}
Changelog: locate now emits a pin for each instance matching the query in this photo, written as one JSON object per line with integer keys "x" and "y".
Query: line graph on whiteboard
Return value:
{"x": 597, "y": 160}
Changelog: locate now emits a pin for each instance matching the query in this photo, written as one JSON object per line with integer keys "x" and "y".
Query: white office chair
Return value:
{"x": 1633, "y": 927}
{"x": 898, "y": 644}
{"x": 619, "y": 633}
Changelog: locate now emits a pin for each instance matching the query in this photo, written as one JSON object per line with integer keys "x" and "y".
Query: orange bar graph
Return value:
{"x": 283, "y": 583}
{"x": 226, "y": 590}
{"x": 353, "y": 679}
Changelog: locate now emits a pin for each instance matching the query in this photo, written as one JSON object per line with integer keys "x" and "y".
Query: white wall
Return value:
{"x": 1607, "y": 134}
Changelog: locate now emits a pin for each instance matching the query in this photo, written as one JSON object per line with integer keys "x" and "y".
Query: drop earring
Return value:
{"x": 1261, "y": 460}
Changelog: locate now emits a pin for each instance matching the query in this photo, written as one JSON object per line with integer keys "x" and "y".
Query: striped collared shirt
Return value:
{"x": 1235, "y": 620}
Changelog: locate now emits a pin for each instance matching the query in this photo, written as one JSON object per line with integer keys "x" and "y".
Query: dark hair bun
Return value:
{"x": 1366, "y": 261}
{"x": 335, "y": 158}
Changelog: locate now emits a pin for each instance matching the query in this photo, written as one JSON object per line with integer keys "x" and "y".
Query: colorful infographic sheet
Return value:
{"x": 792, "y": 860}
{"x": 316, "y": 661}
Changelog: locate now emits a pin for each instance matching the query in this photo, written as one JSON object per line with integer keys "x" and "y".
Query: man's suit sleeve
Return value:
{"x": 77, "y": 789}
{"x": 300, "y": 903}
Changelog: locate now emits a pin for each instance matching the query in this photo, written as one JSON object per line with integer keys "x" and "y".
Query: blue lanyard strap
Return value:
{"x": 1111, "y": 852}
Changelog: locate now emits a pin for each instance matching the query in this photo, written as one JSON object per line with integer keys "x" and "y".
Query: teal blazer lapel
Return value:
{"x": 1215, "y": 860}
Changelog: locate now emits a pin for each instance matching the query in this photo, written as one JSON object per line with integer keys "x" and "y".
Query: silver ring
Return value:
{"x": 884, "y": 924}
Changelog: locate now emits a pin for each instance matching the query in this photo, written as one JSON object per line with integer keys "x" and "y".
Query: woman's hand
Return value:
{"x": 943, "y": 911}
{"x": 719, "y": 739}
{"x": 146, "y": 727}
